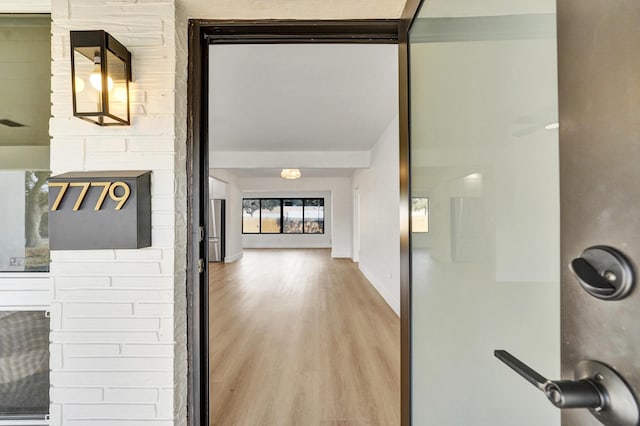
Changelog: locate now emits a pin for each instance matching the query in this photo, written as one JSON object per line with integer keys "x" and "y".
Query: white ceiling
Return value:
{"x": 301, "y": 97}
{"x": 306, "y": 173}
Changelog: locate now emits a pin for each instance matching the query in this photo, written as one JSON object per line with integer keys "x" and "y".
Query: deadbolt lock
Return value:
{"x": 604, "y": 272}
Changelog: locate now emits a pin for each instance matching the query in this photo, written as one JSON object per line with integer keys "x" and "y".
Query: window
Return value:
{"x": 420, "y": 214}
{"x": 250, "y": 216}
{"x": 24, "y": 362}
{"x": 292, "y": 216}
{"x": 25, "y": 108}
{"x": 270, "y": 216}
{"x": 314, "y": 216}
{"x": 283, "y": 216}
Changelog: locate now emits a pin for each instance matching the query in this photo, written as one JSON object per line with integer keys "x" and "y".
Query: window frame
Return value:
{"x": 38, "y": 19}
{"x": 282, "y": 201}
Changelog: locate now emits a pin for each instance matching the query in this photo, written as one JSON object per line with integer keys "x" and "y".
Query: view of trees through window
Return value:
{"x": 36, "y": 221}
{"x": 419, "y": 214}
{"x": 270, "y": 216}
{"x": 283, "y": 215}
{"x": 25, "y": 227}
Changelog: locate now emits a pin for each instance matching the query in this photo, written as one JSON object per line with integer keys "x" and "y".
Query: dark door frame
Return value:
{"x": 202, "y": 33}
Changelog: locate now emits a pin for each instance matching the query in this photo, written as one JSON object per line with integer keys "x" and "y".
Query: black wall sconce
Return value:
{"x": 99, "y": 61}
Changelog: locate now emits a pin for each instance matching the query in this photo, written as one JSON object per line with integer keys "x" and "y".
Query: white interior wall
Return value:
{"x": 217, "y": 189}
{"x": 233, "y": 212}
{"x": 379, "y": 192}
{"x": 341, "y": 200}
{"x": 291, "y": 240}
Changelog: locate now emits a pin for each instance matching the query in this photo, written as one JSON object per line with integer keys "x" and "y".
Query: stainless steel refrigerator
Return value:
{"x": 216, "y": 231}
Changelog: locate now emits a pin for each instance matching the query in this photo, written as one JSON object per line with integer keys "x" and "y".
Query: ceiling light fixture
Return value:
{"x": 290, "y": 173}
{"x": 552, "y": 126}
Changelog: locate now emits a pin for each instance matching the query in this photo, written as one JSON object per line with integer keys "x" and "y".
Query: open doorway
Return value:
{"x": 292, "y": 318}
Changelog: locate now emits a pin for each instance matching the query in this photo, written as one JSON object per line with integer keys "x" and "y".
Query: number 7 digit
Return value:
{"x": 63, "y": 188}
{"x": 105, "y": 190}
{"x": 83, "y": 193}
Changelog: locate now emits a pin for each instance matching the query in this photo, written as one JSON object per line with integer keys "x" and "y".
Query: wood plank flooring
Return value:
{"x": 298, "y": 338}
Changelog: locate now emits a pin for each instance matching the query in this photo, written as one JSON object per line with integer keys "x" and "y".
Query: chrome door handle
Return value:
{"x": 597, "y": 387}
{"x": 562, "y": 393}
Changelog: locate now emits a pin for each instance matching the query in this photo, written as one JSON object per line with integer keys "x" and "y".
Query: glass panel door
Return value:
{"x": 484, "y": 158}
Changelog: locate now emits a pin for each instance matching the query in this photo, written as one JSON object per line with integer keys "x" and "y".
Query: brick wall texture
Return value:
{"x": 118, "y": 354}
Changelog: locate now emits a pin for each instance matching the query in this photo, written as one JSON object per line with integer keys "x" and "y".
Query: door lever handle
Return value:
{"x": 583, "y": 393}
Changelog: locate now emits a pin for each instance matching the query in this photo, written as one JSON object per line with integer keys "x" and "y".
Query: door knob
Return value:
{"x": 597, "y": 387}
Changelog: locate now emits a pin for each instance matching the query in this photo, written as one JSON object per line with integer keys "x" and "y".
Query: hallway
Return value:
{"x": 297, "y": 337}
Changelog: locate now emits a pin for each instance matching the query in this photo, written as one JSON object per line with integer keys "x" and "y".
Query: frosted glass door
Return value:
{"x": 485, "y": 201}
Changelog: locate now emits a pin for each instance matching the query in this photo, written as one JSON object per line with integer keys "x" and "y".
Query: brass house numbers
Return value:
{"x": 108, "y": 188}
{"x": 100, "y": 210}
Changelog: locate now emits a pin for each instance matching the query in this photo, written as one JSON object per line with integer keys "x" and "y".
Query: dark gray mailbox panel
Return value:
{"x": 100, "y": 210}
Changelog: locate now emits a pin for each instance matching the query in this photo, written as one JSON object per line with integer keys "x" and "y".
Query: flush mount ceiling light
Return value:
{"x": 290, "y": 173}
{"x": 97, "y": 61}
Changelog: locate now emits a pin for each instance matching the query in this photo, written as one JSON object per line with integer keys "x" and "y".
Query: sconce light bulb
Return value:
{"x": 96, "y": 76}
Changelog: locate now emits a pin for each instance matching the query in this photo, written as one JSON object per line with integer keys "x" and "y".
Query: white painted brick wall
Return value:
{"x": 118, "y": 317}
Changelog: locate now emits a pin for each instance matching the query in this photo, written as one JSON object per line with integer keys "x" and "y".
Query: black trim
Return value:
{"x": 300, "y": 31}
{"x": 409, "y": 14}
{"x": 197, "y": 184}
{"x": 201, "y": 34}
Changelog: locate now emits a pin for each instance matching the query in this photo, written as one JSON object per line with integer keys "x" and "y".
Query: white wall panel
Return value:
{"x": 379, "y": 217}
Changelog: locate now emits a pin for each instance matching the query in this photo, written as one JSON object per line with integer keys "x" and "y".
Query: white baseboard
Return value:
{"x": 340, "y": 254}
{"x": 383, "y": 290}
{"x": 233, "y": 258}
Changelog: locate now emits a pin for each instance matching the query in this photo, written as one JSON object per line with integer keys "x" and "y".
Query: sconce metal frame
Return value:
{"x": 103, "y": 42}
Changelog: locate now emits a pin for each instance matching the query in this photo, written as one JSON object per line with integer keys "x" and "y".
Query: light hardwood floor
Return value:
{"x": 298, "y": 338}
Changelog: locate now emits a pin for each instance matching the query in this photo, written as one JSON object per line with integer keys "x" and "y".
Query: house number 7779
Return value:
{"x": 107, "y": 188}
